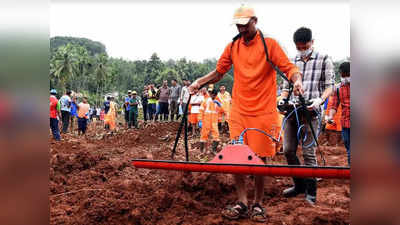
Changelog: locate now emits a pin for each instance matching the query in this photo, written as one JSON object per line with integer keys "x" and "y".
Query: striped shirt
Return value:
{"x": 317, "y": 75}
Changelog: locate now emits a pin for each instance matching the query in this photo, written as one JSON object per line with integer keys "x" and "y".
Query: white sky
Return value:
{"x": 197, "y": 30}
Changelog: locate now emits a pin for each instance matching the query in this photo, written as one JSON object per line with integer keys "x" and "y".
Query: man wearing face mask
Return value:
{"x": 343, "y": 98}
{"x": 318, "y": 80}
{"x": 253, "y": 100}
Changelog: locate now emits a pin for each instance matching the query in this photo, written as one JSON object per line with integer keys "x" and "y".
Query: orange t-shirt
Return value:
{"x": 254, "y": 86}
{"x": 83, "y": 111}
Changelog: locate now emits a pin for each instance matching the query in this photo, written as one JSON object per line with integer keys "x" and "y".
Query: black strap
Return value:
{"x": 278, "y": 71}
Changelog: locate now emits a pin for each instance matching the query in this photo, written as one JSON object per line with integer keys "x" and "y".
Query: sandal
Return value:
{"x": 235, "y": 212}
{"x": 258, "y": 213}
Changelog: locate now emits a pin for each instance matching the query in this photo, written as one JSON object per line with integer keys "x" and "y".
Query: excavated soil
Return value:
{"x": 93, "y": 182}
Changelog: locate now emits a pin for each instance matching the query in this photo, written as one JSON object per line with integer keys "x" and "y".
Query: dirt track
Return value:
{"x": 93, "y": 182}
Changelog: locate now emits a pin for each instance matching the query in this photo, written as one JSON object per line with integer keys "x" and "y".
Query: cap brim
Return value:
{"x": 241, "y": 21}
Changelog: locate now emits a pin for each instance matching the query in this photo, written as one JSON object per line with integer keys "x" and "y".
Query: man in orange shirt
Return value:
{"x": 83, "y": 116}
{"x": 225, "y": 98}
{"x": 253, "y": 99}
{"x": 209, "y": 110}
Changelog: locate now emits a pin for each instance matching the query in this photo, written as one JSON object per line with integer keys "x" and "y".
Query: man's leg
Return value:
{"x": 310, "y": 159}
{"x": 130, "y": 119}
{"x": 290, "y": 143}
{"x": 63, "y": 118}
{"x": 166, "y": 111}
{"x": 259, "y": 189}
{"x": 346, "y": 140}
{"x": 171, "y": 108}
{"x": 241, "y": 188}
{"x": 145, "y": 113}
{"x": 54, "y": 128}
{"x": 84, "y": 125}
{"x": 71, "y": 123}
{"x": 135, "y": 119}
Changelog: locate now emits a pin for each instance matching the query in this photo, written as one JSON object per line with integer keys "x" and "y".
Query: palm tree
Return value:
{"x": 64, "y": 67}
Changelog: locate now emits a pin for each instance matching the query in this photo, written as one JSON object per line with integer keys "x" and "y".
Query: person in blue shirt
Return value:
{"x": 73, "y": 113}
{"x": 127, "y": 108}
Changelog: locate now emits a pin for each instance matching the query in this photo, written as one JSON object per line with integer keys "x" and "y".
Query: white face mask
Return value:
{"x": 305, "y": 53}
{"x": 345, "y": 80}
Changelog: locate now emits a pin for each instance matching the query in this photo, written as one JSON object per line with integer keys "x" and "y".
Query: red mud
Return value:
{"x": 93, "y": 182}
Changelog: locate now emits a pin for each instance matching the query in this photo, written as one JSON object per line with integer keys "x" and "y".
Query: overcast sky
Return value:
{"x": 197, "y": 30}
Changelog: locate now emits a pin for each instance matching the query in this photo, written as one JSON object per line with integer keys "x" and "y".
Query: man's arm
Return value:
{"x": 210, "y": 78}
{"x": 335, "y": 105}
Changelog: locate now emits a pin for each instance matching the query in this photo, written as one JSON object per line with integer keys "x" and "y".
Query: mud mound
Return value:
{"x": 92, "y": 182}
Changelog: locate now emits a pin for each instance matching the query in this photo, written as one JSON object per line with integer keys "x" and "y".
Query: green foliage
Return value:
{"x": 93, "y": 47}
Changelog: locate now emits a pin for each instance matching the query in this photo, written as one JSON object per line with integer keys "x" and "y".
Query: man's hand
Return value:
{"x": 316, "y": 103}
{"x": 194, "y": 87}
{"x": 298, "y": 87}
{"x": 281, "y": 102}
{"x": 328, "y": 119}
{"x": 217, "y": 102}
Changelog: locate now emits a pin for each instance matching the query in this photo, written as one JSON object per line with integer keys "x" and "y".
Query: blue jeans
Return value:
{"x": 151, "y": 110}
{"x": 82, "y": 125}
{"x": 346, "y": 140}
{"x": 54, "y": 128}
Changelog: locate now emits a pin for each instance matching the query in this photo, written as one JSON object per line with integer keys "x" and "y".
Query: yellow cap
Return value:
{"x": 243, "y": 14}
{"x": 134, "y": 92}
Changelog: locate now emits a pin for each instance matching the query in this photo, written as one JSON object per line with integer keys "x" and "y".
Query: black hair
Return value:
{"x": 69, "y": 92}
{"x": 108, "y": 98}
{"x": 344, "y": 68}
{"x": 214, "y": 92}
{"x": 302, "y": 35}
{"x": 174, "y": 80}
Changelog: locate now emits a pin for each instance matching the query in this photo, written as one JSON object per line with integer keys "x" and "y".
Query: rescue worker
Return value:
{"x": 65, "y": 104}
{"x": 106, "y": 109}
{"x": 318, "y": 79}
{"x": 195, "y": 103}
{"x": 253, "y": 99}
{"x": 133, "y": 110}
{"x": 152, "y": 100}
{"x": 111, "y": 115}
{"x": 127, "y": 108}
{"x": 208, "y": 118}
{"x": 54, "y": 115}
{"x": 175, "y": 91}
{"x": 333, "y": 126}
{"x": 83, "y": 116}
{"x": 226, "y": 99}
{"x": 144, "y": 98}
{"x": 343, "y": 99}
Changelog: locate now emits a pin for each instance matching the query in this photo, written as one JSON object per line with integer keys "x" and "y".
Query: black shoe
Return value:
{"x": 311, "y": 199}
{"x": 298, "y": 188}
{"x": 311, "y": 190}
{"x": 291, "y": 192}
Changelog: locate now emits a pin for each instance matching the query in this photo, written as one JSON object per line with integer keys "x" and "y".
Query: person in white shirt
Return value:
{"x": 65, "y": 103}
{"x": 195, "y": 103}
{"x": 184, "y": 98}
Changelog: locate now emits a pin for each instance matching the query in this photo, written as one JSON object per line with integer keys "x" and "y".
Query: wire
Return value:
{"x": 301, "y": 127}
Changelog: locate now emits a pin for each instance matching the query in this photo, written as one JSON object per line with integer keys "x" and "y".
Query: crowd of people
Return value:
{"x": 254, "y": 101}
{"x": 158, "y": 104}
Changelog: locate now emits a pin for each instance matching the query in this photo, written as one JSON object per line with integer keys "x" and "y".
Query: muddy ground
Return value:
{"x": 93, "y": 182}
